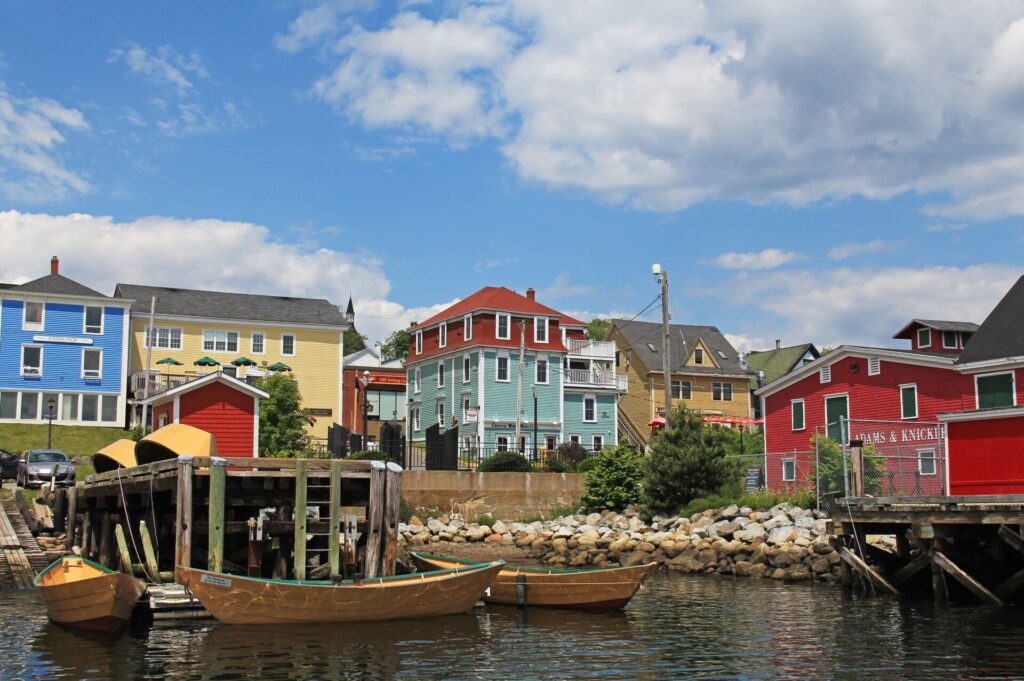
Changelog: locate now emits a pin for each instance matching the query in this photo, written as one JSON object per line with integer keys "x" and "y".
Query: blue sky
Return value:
{"x": 803, "y": 172}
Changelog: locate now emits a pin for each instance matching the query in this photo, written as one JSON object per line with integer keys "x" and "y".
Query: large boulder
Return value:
{"x": 782, "y": 520}
{"x": 782, "y": 535}
{"x": 749, "y": 533}
{"x": 499, "y": 527}
{"x": 436, "y": 526}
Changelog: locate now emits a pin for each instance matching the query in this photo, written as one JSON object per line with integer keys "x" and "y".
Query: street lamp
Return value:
{"x": 49, "y": 427}
{"x": 365, "y": 380}
{"x": 662, "y": 277}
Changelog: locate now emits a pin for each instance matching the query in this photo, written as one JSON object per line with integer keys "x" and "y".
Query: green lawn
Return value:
{"x": 75, "y": 440}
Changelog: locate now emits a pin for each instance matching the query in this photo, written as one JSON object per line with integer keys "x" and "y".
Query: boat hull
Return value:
{"x": 80, "y": 594}
{"x": 233, "y": 599}
{"x": 600, "y": 589}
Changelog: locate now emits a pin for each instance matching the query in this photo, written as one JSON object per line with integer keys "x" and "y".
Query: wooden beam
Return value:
{"x": 973, "y": 585}
{"x": 374, "y": 521}
{"x": 1011, "y": 538}
{"x": 72, "y": 521}
{"x": 215, "y": 538}
{"x": 910, "y": 569}
{"x": 866, "y": 570}
{"x": 1010, "y": 586}
{"x": 59, "y": 509}
{"x": 106, "y": 541}
{"x": 392, "y": 511}
{"x": 149, "y": 555}
{"x": 301, "y": 479}
{"x": 122, "y": 550}
{"x": 334, "y": 535}
{"x": 183, "y": 514}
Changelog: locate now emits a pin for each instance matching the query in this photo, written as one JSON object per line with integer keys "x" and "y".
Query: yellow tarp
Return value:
{"x": 120, "y": 453}
{"x": 173, "y": 440}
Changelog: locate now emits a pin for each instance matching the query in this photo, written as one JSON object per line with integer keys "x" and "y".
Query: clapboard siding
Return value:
{"x": 223, "y": 411}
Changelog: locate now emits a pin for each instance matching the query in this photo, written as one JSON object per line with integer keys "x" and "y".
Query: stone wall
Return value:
{"x": 504, "y": 495}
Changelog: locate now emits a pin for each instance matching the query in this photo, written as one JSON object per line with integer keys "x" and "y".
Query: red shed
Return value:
{"x": 986, "y": 451}
{"x": 223, "y": 406}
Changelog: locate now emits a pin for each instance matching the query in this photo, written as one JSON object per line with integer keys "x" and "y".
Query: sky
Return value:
{"x": 812, "y": 172}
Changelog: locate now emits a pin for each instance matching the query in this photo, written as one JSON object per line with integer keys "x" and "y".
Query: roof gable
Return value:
{"x": 216, "y": 377}
{"x": 58, "y": 284}
{"x": 938, "y": 324}
{"x": 777, "y": 363}
{"x": 645, "y": 340}
{"x": 1001, "y": 335}
{"x": 503, "y": 300}
{"x": 707, "y": 357}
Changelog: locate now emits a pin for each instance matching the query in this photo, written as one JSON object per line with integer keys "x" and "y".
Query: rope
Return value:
{"x": 131, "y": 534}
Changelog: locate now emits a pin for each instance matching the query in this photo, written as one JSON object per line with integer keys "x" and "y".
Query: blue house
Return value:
{"x": 63, "y": 348}
{"x": 464, "y": 373}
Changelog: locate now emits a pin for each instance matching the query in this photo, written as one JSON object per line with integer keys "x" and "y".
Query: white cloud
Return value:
{"x": 211, "y": 254}
{"x": 31, "y": 168}
{"x": 562, "y": 287}
{"x": 484, "y": 265}
{"x": 308, "y": 28}
{"x": 663, "y": 105}
{"x": 162, "y": 66}
{"x": 744, "y": 343}
{"x": 768, "y": 259}
{"x": 844, "y": 251}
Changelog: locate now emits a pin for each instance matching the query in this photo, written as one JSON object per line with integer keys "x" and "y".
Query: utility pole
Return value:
{"x": 666, "y": 364}
{"x": 150, "y": 339}
{"x": 519, "y": 390}
{"x": 534, "y": 423}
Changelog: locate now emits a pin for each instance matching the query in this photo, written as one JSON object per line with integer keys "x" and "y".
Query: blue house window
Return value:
{"x": 92, "y": 363}
{"x": 33, "y": 320}
{"x": 31, "y": 360}
{"x": 93, "y": 319}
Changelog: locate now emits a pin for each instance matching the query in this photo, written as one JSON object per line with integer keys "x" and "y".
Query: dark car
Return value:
{"x": 37, "y": 466}
{"x": 8, "y": 465}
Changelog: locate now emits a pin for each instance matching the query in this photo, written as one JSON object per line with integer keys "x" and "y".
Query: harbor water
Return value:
{"x": 676, "y": 627}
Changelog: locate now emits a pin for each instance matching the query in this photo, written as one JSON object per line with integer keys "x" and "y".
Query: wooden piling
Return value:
{"x": 72, "y": 520}
{"x": 149, "y": 555}
{"x": 301, "y": 490}
{"x": 59, "y": 509}
{"x": 86, "y": 533}
{"x": 866, "y": 571}
{"x": 215, "y": 543}
{"x": 183, "y": 514}
{"x": 124, "y": 555}
{"x": 375, "y": 520}
{"x": 106, "y": 541}
{"x": 972, "y": 585}
{"x": 333, "y": 541}
{"x": 392, "y": 510}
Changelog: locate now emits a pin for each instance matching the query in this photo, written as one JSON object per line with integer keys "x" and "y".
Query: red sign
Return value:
{"x": 388, "y": 379}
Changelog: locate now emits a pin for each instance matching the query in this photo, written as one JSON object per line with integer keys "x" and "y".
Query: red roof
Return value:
{"x": 501, "y": 299}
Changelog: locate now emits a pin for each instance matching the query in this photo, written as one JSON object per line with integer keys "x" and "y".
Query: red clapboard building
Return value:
{"x": 221, "y": 405}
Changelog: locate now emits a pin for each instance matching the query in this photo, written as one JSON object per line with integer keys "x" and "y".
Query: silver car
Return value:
{"x": 43, "y": 465}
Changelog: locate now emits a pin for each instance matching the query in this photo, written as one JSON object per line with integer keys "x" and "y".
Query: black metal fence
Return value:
{"x": 499, "y": 457}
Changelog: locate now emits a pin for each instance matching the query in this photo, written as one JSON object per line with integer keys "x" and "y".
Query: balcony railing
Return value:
{"x": 596, "y": 378}
{"x": 590, "y": 348}
{"x": 160, "y": 382}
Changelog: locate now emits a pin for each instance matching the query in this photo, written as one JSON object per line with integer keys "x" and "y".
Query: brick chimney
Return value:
{"x": 778, "y": 343}
{"x": 54, "y": 265}
{"x": 531, "y": 294}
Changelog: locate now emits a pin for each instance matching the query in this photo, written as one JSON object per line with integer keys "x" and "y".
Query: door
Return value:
{"x": 837, "y": 409}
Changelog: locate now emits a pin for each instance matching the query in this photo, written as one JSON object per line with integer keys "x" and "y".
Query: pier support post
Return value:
{"x": 393, "y": 490}
{"x": 72, "y": 521}
{"x": 215, "y": 540}
{"x": 939, "y": 592}
{"x": 106, "y": 540}
{"x": 301, "y": 477}
{"x": 59, "y": 509}
{"x": 333, "y": 541}
{"x": 149, "y": 555}
{"x": 375, "y": 520}
{"x": 122, "y": 550}
{"x": 183, "y": 514}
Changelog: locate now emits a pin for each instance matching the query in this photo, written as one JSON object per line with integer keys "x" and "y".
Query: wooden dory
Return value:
{"x": 601, "y": 589}
{"x": 233, "y": 599}
{"x": 80, "y": 594}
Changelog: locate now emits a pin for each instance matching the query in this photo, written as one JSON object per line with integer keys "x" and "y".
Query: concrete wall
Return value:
{"x": 508, "y": 496}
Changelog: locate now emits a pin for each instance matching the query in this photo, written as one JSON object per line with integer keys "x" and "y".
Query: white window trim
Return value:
{"x": 33, "y": 326}
{"x": 21, "y": 362}
{"x": 584, "y": 415}
{"x": 414, "y": 412}
{"x": 917, "y": 408}
{"x": 440, "y": 374}
{"x": 874, "y": 366}
{"x": 497, "y": 326}
{"x": 547, "y": 370}
{"x": 295, "y": 344}
{"x": 441, "y": 416}
{"x": 497, "y": 370}
{"x": 500, "y": 446}
{"x": 825, "y": 375}
{"x": 442, "y": 335}
{"x": 575, "y": 437}
{"x": 784, "y": 477}
{"x": 593, "y": 441}
{"x": 252, "y": 346}
{"x": 419, "y": 342}
{"x": 538, "y": 324}
{"x": 99, "y": 374}
{"x": 467, "y": 327}
{"x": 927, "y": 333}
{"x": 548, "y": 439}
{"x": 948, "y": 347}
{"x": 934, "y": 459}
{"x": 416, "y": 376}
{"x": 467, "y": 403}
{"x": 1013, "y": 386}
{"x": 803, "y": 415}
{"x": 156, "y": 334}
{"x": 85, "y": 317}
{"x": 226, "y": 332}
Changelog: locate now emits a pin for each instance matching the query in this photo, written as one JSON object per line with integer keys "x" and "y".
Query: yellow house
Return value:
{"x": 303, "y": 334}
{"x": 706, "y": 373}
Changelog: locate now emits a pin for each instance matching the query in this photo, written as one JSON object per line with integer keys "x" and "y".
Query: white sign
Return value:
{"x": 471, "y": 415}
{"x": 63, "y": 339}
{"x": 216, "y": 581}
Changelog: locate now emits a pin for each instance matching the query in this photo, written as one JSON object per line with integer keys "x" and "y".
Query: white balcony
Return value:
{"x": 595, "y": 378}
{"x": 590, "y": 348}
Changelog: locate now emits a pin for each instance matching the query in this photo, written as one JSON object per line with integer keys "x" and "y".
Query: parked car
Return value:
{"x": 8, "y": 465}
{"x": 37, "y": 466}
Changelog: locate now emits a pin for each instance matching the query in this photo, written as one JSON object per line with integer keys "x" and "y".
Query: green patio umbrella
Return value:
{"x": 243, "y": 362}
{"x": 171, "y": 361}
{"x": 279, "y": 366}
{"x": 206, "y": 362}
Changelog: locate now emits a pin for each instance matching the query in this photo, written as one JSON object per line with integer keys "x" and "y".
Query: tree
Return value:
{"x": 687, "y": 461}
{"x": 615, "y": 481}
{"x": 354, "y": 341}
{"x": 396, "y": 345}
{"x": 598, "y": 328}
{"x": 282, "y": 425}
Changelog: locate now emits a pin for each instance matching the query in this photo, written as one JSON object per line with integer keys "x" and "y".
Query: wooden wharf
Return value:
{"x": 18, "y": 548}
{"x": 945, "y": 546}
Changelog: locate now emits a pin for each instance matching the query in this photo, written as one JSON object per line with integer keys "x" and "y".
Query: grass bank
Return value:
{"x": 75, "y": 440}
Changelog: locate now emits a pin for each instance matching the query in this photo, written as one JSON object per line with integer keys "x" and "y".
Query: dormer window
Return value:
{"x": 503, "y": 326}
{"x": 924, "y": 338}
{"x": 540, "y": 330}
{"x": 949, "y": 340}
{"x": 698, "y": 356}
{"x": 442, "y": 335}
{"x": 467, "y": 327}
{"x": 419, "y": 342}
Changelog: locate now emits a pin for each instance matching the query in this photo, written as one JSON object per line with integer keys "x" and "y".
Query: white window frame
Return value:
{"x": 227, "y": 340}
{"x": 917, "y": 407}
{"x": 803, "y": 415}
{"x": 1013, "y": 386}
{"x": 550, "y": 439}
{"x": 440, "y": 374}
{"x": 440, "y": 412}
{"x": 508, "y": 369}
{"x": 575, "y": 438}
{"x": 154, "y": 331}
{"x": 924, "y": 332}
{"x": 874, "y": 366}
{"x": 21, "y": 362}
{"x": 414, "y": 411}
{"x": 698, "y": 356}
{"x": 594, "y": 440}
{"x": 467, "y": 369}
{"x": 295, "y": 344}
{"x": 467, "y": 327}
{"x": 720, "y": 387}
{"x": 416, "y": 376}
{"x": 538, "y": 324}
{"x": 85, "y": 320}
{"x": 948, "y": 347}
{"x": 419, "y": 342}
{"x": 442, "y": 335}
{"x": 921, "y": 458}
{"x": 467, "y": 403}
{"x": 788, "y": 477}
{"x": 501, "y": 443}
{"x": 263, "y": 342}
{"x": 508, "y": 325}
{"x": 592, "y": 398}
{"x": 99, "y": 371}
{"x": 33, "y": 326}
{"x": 547, "y": 371}
{"x": 825, "y": 375}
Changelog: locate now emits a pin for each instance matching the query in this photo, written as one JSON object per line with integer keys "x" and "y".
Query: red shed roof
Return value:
{"x": 503, "y": 300}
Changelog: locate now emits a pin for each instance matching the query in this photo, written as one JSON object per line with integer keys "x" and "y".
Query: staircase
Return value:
{"x": 633, "y": 433}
